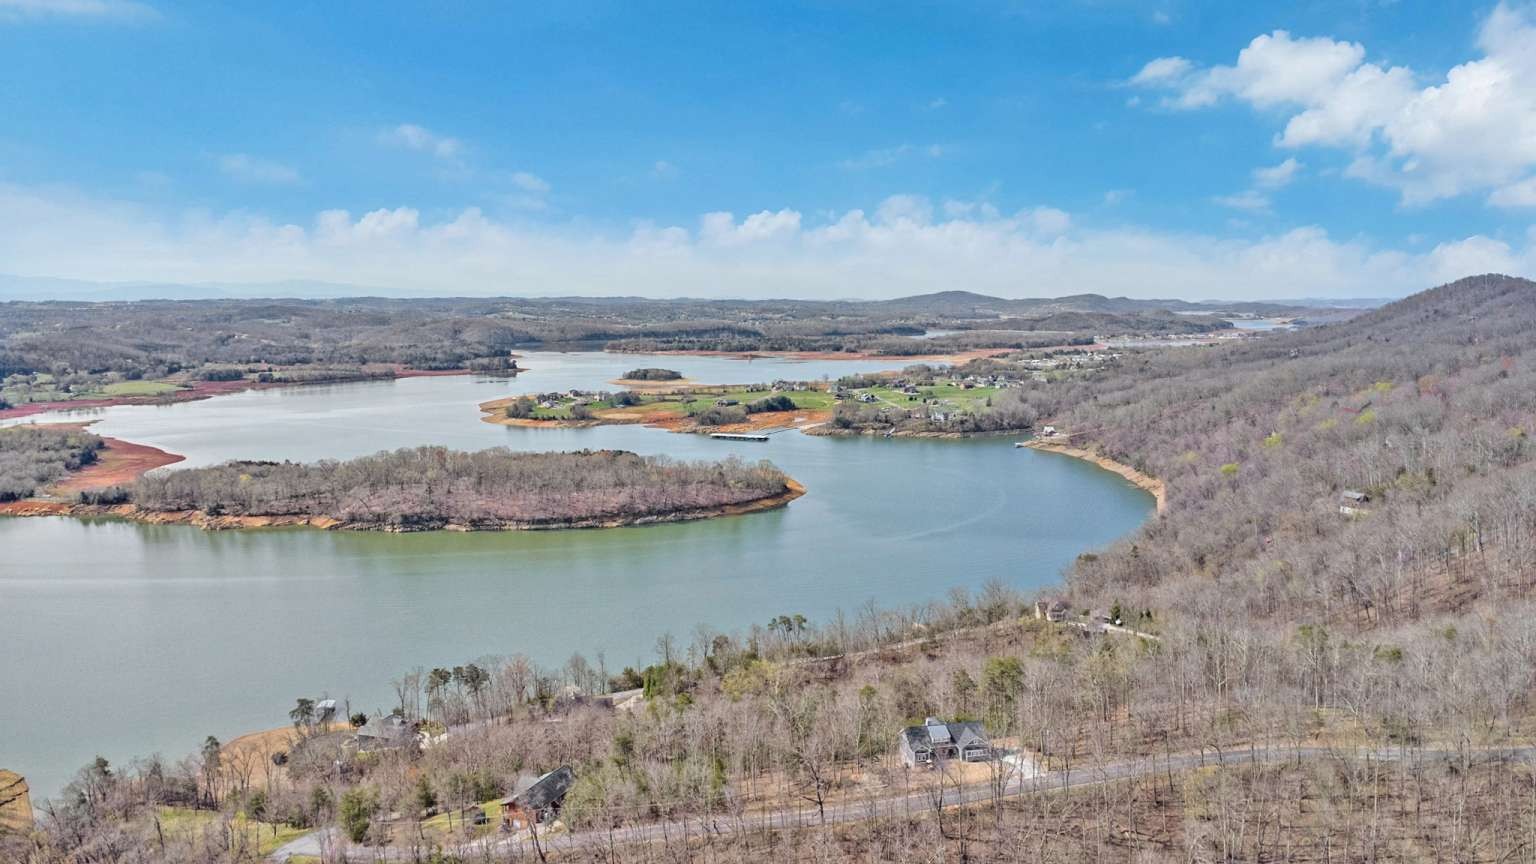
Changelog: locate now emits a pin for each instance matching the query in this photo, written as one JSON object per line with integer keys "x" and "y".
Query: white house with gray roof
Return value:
{"x": 937, "y": 740}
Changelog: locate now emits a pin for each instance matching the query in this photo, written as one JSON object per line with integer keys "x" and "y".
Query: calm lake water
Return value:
{"x": 126, "y": 639}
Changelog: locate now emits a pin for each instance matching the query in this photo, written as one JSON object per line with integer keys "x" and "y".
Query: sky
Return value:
{"x": 1165, "y": 148}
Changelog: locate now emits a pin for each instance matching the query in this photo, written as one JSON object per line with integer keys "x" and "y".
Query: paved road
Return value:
{"x": 914, "y": 803}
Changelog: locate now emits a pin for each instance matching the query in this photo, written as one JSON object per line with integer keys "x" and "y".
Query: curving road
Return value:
{"x": 916, "y": 803}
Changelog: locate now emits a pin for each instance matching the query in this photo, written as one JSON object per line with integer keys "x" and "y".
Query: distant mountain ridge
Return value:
{"x": 950, "y": 303}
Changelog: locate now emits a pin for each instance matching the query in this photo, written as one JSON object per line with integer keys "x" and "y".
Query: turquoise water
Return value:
{"x": 129, "y": 639}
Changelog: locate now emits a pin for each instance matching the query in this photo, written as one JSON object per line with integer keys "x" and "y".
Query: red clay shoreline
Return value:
{"x": 195, "y": 391}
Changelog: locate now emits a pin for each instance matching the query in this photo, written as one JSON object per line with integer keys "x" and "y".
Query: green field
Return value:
{"x": 694, "y": 402}
{"x": 140, "y": 388}
{"x": 952, "y": 397}
{"x": 265, "y": 836}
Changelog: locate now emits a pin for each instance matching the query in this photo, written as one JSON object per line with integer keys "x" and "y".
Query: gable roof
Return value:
{"x": 937, "y": 733}
{"x": 545, "y": 791}
{"x": 391, "y": 727}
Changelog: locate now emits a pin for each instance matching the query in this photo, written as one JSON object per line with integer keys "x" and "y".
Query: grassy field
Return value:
{"x": 140, "y": 388}
{"x": 951, "y": 397}
{"x": 266, "y": 836}
{"x": 692, "y": 402}
{"x": 441, "y": 827}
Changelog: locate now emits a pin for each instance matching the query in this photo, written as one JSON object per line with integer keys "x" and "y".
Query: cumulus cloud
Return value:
{"x": 906, "y": 245}
{"x": 1472, "y": 132}
{"x": 1277, "y": 176}
{"x": 1250, "y": 200}
{"x": 530, "y": 183}
{"x": 420, "y": 138}
{"x": 252, "y": 169}
{"x": 1256, "y": 198}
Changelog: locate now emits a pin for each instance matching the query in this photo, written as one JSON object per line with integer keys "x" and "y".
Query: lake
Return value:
{"x": 125, "y": 639}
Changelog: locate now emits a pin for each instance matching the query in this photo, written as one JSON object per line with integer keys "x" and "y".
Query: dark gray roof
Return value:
{"x": 960, "y": 733}
{"x": 548, "y": 790}
{"x": 391, "y": 728}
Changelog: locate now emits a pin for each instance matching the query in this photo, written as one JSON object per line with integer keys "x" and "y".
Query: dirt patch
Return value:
{"x": 250, "y": 755}
{"x": 1158, "y": 488}
{"x": 766, "y": 420}
{"x": 119, "y": 464}
{"x": 640, "y": 386}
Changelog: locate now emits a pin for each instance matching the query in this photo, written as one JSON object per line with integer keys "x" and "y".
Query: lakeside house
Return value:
{"x": 390, "y": 732}
{"x": 1051, "y": 609}
{"x": 325, "y": 711}
{"x": 937, "y": 740}
{"x": 538, "y": 801}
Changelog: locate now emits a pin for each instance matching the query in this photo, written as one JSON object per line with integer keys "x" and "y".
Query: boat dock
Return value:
{"x": 739, "y": 436}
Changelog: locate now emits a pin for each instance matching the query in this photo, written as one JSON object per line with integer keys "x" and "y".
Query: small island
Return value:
{"x": 417, "y": 489}
{"x": 653, "y": 374}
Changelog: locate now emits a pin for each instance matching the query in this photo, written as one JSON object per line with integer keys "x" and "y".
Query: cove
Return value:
{"x": 124, "y": 639}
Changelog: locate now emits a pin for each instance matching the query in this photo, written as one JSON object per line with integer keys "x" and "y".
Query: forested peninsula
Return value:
{"x": 434, "y": 488}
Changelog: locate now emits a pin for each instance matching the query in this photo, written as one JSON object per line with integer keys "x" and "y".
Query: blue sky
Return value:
{"x": 861, "y": 149}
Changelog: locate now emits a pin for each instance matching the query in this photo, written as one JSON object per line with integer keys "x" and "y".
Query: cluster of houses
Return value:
{"x": 579, "y": 397}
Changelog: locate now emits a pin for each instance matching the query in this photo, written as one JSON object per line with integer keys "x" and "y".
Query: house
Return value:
{"x": 1352, "y": 503}
{"x": 936, "y": 740}
{"x": 325, "y": 711}
{"x": 1054, "y": 610}
{"x": 1048, "y": 431}
{"x": 538, "y": 800}
{"x": 390, "y": 732}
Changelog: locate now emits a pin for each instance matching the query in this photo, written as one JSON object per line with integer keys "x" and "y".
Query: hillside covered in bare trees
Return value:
{"x": 1279, "y": 673}
{"x": 32, "y": 457}
{"x": 428, "y": 488}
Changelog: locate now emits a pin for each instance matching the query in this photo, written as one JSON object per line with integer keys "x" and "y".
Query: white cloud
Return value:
{"x": 530, "y": 183}
{"x": 1277, "y": 176}
{"x": 887, "y": 156}
{"x": 253, "y": 169}
{"x": 1163, "y": 70}
{"x": 936, "y": 104}
{"x": 99, "y": 9}
{"x": 908, "y": 246}
{"x": 1474, "y": 131}
{"x": 1250, "y": 200}
{"x": 413, "y": 137}
{"x": 664, "y": 170}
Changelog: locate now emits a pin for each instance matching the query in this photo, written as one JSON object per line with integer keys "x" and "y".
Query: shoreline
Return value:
{"x": 1145, "y": 482}
{"x": 200, "y": 519}
{"x": 802, "y": 419}
{"x": 953, "y": 357}
{"x": 199, "y": 390}
{"x": 120, "y": 463}
{"x": 826, "y": 430}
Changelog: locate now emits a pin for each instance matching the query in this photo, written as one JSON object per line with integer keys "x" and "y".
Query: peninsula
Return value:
{"x": 426, "y": 489}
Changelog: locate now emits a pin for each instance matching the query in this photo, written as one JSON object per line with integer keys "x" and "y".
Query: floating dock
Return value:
{"x": 738, "y": 436}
